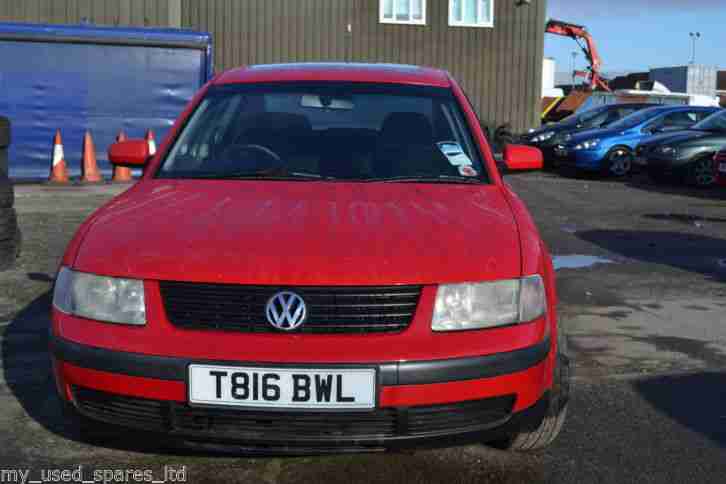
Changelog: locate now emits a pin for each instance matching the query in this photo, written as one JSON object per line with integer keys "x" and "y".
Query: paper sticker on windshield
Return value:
{"x": 453, "y": 152}
{"x": 467, "y": 170}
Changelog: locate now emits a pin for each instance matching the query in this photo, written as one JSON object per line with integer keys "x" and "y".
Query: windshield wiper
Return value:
{"x": 427, "y": 179}
{"x": 246, "y": 175}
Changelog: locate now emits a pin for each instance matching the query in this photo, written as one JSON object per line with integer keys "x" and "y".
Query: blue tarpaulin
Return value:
{"x": 78, "y": 78}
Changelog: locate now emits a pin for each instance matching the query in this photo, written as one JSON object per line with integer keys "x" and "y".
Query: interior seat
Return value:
{"x": 406, "y": 147}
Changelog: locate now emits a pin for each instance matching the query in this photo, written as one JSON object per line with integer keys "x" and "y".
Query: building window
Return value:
{"x": 403, "y": 12}
{"x": 471, "y": 13}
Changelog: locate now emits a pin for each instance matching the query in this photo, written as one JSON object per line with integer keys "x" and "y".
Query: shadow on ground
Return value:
{"x": 684, "y": 218}
{"x": 677, "y": 188}
{"x": 696, "y": 401}
{"x": 27, "y": 371}
{"x": 691, "y": 252}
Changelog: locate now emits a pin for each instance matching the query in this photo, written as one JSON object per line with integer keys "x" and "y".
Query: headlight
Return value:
{"x": 668, "y": 151}
{"x": 543, "y": 137}
{"x": 488, "y": 304}
{"x": 101, "y": 298}
{"x": 588, "y": 145}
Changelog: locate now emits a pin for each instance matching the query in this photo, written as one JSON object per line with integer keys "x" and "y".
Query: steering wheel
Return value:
{"x": 254, "y": 157}
{"x": 258, "y": 148}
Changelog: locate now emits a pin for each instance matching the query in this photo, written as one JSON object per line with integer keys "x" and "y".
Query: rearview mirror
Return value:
{"x": 132, "y": 152}
{"x": 519, "y": 157}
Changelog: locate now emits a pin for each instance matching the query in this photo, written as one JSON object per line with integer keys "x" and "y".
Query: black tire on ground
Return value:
{"x": 9, "y": 251}
{"x": 7, "y": 194}
{"x": 10, "y": 239}
{"x": 4, "y": 131}
{"x": 8, "y": 223}
{"x": 4, "y": 162}
{"x": 556, "y": 415}
{"x": 618, "y": 162}
{"x": 702, "y": 173}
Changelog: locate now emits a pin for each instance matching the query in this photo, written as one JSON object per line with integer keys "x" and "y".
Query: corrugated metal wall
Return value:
{"x": 500, "y": 68}
{"x": 101, "y": 12}
{"x": 272, "y": 31}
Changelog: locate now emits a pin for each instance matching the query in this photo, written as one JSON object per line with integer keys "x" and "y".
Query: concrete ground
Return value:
{"x": 647, "y": 331}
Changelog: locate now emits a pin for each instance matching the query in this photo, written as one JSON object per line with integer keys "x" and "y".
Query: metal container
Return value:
{"x": 691, "y": 79}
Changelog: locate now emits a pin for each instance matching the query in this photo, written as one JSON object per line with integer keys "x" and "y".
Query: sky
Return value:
{"x": 635, "y": 35}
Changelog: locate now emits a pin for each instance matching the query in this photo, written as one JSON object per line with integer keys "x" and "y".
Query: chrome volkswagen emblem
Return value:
{"x": 286, "y": 311}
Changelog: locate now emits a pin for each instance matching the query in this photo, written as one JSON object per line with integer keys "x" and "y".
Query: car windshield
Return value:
{"x": 595, "y": 117}
{"x": 327, "y": 131}
{"x": 636, "y": 118}
{"x": 585, "y": 116}
{"x": 715, "y": 122}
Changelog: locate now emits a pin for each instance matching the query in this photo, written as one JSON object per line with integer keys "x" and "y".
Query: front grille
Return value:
{"x": 334, "y": 309}
{"x": 285, "y": 426}
{"x": 128, "y": 412}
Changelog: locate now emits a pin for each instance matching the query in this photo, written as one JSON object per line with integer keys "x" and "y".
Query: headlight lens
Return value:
{"x": 488, "y": 304}
{"x": 543, "y": 136}
{"x": 588, "y": 145}
{"x": 109, "y": 299}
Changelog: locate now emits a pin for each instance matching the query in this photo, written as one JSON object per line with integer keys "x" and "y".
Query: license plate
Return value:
{"x": 282, "y": 388}
{"x": 722, "y": 167}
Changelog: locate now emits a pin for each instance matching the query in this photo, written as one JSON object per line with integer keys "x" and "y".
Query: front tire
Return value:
{"x": 551, "y": 426}
{"x": 701, "y": 173}
{"x": 619, "y": 162}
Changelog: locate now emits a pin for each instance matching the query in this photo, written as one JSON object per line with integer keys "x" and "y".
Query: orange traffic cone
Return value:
{"x": 121, "y": 174}
{"x": 152, "y": 143}
{"x": 89, "y": 167}
{"x": 58, "y": 168}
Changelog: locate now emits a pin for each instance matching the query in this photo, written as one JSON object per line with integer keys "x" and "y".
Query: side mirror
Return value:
{"x": 518, "y": 157}
{"x": 132, "y": 152}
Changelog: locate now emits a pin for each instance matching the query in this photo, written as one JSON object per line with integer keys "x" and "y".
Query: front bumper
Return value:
{"x": 580, "y": 159}
{"x": 420, "y": 403}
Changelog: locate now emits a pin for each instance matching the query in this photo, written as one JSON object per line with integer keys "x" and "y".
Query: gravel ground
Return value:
{"x": 646, "y": 329}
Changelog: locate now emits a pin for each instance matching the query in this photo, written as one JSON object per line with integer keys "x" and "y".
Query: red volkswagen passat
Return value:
{"x": 320, "y": 257}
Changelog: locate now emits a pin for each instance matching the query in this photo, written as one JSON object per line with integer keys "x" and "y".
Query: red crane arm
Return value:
{"x": 580, "y": 35}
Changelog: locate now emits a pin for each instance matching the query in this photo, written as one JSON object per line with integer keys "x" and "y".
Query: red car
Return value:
{"x": 320, "y": 257}
{"x": 720, "y": 167}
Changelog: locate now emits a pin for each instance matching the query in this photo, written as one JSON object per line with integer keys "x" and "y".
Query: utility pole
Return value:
{"x": 694, "y": 38}
{"x": 574, "y": 58}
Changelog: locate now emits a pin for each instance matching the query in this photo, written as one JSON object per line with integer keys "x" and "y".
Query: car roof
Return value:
{"x": 634, "y": 105}
{"x": 336, "y": 71}
{"x": 680, "y": 107}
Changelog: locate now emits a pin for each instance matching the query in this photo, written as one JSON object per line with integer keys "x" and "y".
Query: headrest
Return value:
{"x": 406, "y": 129}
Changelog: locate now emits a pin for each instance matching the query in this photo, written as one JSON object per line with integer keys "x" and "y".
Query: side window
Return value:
{"x": 626, "y": 111}
{"x": 403, "y": 12}
{"x": 680, "y": 119}
{"x": 471, "y": 13}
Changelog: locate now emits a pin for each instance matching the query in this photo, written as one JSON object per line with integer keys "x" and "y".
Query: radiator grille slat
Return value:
{"x": 289, "y": 426}
{"x": 332, "y": 309}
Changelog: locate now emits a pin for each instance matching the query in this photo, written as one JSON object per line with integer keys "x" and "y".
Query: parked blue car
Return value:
{"x": 611, "y": 151}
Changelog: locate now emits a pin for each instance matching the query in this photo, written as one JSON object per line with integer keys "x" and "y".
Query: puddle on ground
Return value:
{"x": 578, "y": 261}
